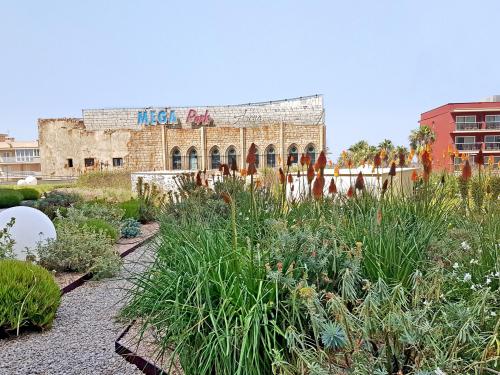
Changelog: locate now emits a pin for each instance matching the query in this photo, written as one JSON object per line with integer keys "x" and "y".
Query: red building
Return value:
{"x": 464, "y": 128}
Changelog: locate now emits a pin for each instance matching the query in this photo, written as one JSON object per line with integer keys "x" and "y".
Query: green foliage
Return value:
{"x": 29, "y": 193}
{"x": 79, "y": 249}
{"x": 421, "y": 137}
{"x": 10, "y": 198}
{"x": 56, "y": 202}
{"x": 108, "y": 212}
{"x": 105, "y": 179}
{"x": 100, "y": 225}
{"x": 131, "y": 209}
{"x": 29, "y": 296}
{"x": 251, "y": 284}
{"x": 130, "y": 228}
{"x": 150, "y": 199}
{"x": 6, "y": 241}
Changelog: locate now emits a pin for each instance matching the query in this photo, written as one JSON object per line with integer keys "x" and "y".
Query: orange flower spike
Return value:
{"x": 349, "y": 164}
{"x": 308, "y": 160}
{"x": 491, "y": 160}
{"x": 322, "y": 160}
{"x": 198, "y": 179}
{"x": 377, "y": 160}
{"x": 392, "y": 171}
{"x": 251, "y": 157}
{"x": 251, "y": 169}
{"x": 383, "y": 154}
{"x": 360, "y": 182}
{"x": 226, "y": 170}
{"x": 480, "y": 157}
{"x": 450, "y": 149}
{"x": 350, "y": 192}
{"x": 289, "y": 160}
{"x": 302, "y": 160}
{"x": 456, "y": 153}
{"x": 332, "y": 189}
{"x": 402, "y": 159}
{"x": 290, "y": 178}
{"x": 310, "y": 174}
{"x": 330, "y": 163}
{"x": 282, "y": 177}
{"x": 226, "y": 197}
{"x": 336, "y": 171}
{"x": 414, "y": 176}
{"x": 318, "y": 186}
{"x": 466, "y": 171}
{"x": 243, "y": 172}
{"x": 384, "y": 185}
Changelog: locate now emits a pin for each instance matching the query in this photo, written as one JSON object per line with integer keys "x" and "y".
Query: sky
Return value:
{"x": 379, "y": 64}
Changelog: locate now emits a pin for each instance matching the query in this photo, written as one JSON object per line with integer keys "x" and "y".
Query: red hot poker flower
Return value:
{"x": 414, "y": 176}
{"x": 226, "y": 172}
{"x": 251, "y": 158}
{"x": 332, "y": 189}
{"x": 392, "y": 171}
{"x": 384, "y": 186}
{"x": 350, "y": 192}
{"x": 322, "y": 160}
{"x": 310, "y": 174}
{"x": 282, "y": 177}
{"x": 377, "y": 160}
{"x": 466, "y": 171}
{"x": 302, "y": 160}
{"x": 289, "y": 160}
{"x": 290, "y": 178}
{"x": 198, "y": 179}
{"x": 402, "y": 159}
{"x": 308, "y": 160}
{"x": 360, "y": 182}
{"x": 318, "y": 186}
{"x": 480, "y": 158}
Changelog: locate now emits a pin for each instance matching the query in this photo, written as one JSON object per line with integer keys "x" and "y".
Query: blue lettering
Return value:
{"x": 152, "y": 116}
{"x": 142, "y": 118}
{"x": 162, "y": 117}
{"x": 173, "y": 118}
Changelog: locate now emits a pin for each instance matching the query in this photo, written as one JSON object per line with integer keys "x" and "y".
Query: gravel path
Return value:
{"x": 82, "y": 338}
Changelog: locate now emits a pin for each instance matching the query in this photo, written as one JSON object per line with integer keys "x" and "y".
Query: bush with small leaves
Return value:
{"x": 10, "y": 198}
{"x": 130, "y": 228}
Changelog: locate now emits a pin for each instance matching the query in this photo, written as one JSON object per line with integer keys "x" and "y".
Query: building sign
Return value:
{"x": 195, "y": 119}
{"x": 153, "y": 118}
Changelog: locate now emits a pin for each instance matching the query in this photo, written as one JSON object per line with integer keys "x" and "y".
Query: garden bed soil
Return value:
{"x": 142, "y": 351}
{"x": 68, "y": 281}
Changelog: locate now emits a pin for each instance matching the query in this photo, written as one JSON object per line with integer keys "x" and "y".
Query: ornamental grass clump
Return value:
{"x": 29, "y": 297}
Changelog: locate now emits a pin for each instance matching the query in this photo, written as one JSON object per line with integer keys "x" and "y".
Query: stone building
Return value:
{"x": 181, "y": 138}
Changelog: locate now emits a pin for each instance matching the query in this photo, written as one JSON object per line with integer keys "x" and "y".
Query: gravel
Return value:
{"x": 82, "y": 338}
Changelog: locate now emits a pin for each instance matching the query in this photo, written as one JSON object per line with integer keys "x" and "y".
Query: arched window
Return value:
{"x": 231, "y": 156}
{"x": 271, "y": 157}
{"x": 176, "y": 159}
{"x": 193, "y": 159}
{"x": 311, "y": 151}
{"x": 294, "y": 152}
{"x": 214, "y": 158}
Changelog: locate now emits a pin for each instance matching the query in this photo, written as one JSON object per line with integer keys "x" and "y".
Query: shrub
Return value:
{"x": 100, "y": 225}
{"x": 10, "y": 198}
{"x": 56, "y": 201}
{"x": 130, "y": 228}
{"x": 79, "y": 249}
{"x": 97, "y": 210}
{"x": 29, "y": 194}
{"x": 29, "y": 296}
{"x": 6, "y": 241}
{"x": 131, "y": 209}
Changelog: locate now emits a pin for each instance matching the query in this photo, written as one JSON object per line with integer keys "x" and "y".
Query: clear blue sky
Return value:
{"x": 379, "y": 63}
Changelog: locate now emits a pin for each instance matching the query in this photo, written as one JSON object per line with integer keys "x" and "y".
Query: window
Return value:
{"x": 117, "y": 162}
{"x": 215, "y": 158}
{"x": 176, "y": 159}
{"x": 27, "y": 154}
{"x": 193, "y": 159}
{"x": 465, "y": 119}
{"x": 466, "y": 123}
{"x": 89, "y": 162}
{"x": 466, "y": 143}
{"x": 293, "y": 151}
{"x": 311, "y": 151}
{"x": 492, "y": 121}
{"x": 492, "y": 142}
{"x": 231, "y": 156}
{"x": 270, "y": 157}
{"x": 70, "y": 163}
{"x": 469, "y": 139}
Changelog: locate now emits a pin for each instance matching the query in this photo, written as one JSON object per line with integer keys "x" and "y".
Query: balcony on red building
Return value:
{"x": 462, "y": 129}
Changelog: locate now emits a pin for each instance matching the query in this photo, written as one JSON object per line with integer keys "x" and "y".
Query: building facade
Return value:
{"x": 464, "y": 128}
{"x": 181, "y": 138}
{"x": 18, "y": 159}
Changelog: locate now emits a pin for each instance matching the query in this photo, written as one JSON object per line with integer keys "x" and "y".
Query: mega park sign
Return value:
{"x": 169, "y": 117}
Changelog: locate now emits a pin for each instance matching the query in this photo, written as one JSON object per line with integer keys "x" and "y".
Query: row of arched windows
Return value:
{"x": 215, "y": 156}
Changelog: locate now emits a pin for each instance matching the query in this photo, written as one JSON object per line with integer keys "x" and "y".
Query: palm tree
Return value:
{"x": 421, "y": 137}
{"x": 386, "y": 145}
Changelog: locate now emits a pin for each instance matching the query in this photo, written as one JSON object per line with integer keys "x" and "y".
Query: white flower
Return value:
{"x": 455, "y": 265}
{"x": 438, "y": 371}
{"x": 427, "y": 303}
{"x": 492, "y": 313}
{"x": 465, "y": 245}
{"x": 488, "y": 281}
{"x": 467, "y": 277}
{"x": 473, "y": 287}
{"x": 474, "y": 261}
{"x": 497, "y": 274}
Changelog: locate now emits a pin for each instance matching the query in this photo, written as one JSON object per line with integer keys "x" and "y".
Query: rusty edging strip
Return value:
{"x": 81, "y": 280}
{"x": 142, "y": 364}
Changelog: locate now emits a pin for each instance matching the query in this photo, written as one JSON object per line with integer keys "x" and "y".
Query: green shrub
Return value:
{"x": 130, "y": 228}
{"x": 10, "y": 198}
{"x": 100, "y": 225}
{"x": 6, "y": 241}
{"x": 29, "y": 296}
{"x": 79, "y": 249}
{"x": 131, "y": 209}
{"x": 97, "y": 210}
{"x": 57, "y": 201}
{"x": 29, "y": 194}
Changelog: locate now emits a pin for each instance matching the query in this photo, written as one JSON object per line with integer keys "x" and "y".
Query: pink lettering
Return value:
{"x": 194, "y": 118}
